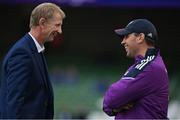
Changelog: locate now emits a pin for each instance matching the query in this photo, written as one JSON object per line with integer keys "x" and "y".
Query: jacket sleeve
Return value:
{"x": 127, "y": 90}
{"x": 18, "y": 70}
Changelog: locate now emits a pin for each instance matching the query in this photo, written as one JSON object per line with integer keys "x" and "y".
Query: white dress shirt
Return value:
{"x": 38, "y": 46}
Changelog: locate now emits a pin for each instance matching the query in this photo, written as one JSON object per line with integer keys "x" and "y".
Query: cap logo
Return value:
{"x": 149, "y": 35}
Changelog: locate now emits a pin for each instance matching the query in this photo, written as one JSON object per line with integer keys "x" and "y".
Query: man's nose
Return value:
{"x": 59, "y": 30}
{"x": 123, "y": 42}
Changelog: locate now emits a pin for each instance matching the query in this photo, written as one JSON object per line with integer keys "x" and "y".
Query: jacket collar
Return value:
{"x": 149, "y": 52}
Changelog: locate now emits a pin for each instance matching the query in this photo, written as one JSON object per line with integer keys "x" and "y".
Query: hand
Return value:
{"x": 123, "y": 108}
{"x": 128, "y": 106}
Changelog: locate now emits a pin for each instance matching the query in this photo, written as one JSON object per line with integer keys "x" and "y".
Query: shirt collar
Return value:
{"x": 38, "y": 46}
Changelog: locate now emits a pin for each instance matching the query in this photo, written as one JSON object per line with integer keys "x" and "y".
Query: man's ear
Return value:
{"x": 42, "y": 22}
{"x": 141, "y": 38}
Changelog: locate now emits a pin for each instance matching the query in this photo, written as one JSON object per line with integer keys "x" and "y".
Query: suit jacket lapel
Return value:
{"x": 42, "y": 69}
{"x": 38, "y": 59}
{"x": 46, "y": 72}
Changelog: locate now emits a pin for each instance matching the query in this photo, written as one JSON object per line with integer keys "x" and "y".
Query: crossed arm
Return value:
{"x": 122, "y": 95}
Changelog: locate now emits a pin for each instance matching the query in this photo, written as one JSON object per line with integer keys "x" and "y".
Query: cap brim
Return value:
{"x": 122, "y": 32}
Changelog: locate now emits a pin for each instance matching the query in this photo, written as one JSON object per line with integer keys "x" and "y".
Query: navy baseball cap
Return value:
{"x": 139, "y": 26}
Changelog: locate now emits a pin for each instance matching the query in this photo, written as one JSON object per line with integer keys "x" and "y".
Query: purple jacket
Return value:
{"x": 145, "y": 86}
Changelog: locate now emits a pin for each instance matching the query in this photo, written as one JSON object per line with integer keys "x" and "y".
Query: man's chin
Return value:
{"x": 128, "y": 55}
{"x": 49, "y": 40}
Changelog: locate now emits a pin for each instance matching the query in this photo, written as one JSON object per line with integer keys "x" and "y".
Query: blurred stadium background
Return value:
{"x": 89, "y": 57}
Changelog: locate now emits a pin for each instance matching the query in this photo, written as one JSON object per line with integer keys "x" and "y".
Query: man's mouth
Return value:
{"x": 56, "y": 36}
{"x": 126, "y": 48}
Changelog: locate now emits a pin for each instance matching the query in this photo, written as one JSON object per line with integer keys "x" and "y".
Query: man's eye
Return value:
{"x": 57, "y": 25}
{"x": 126, "y": 36}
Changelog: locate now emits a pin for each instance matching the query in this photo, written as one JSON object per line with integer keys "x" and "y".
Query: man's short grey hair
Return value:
{"x": 44, "y": 10}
